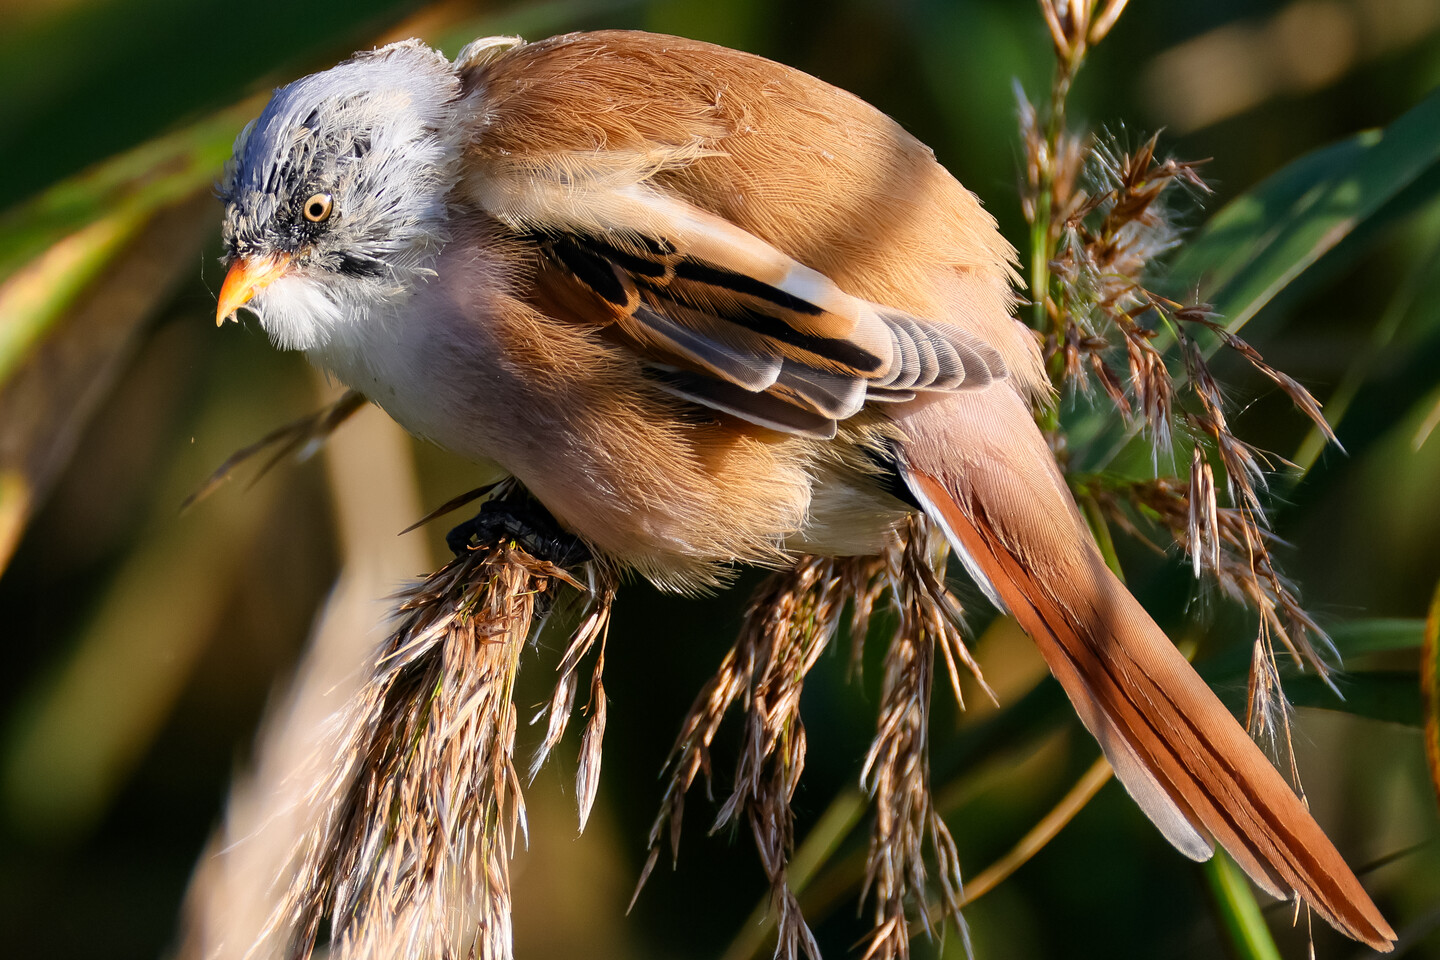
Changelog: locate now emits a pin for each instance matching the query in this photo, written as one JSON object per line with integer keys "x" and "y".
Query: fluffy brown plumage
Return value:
{"x": 710, "y": 310}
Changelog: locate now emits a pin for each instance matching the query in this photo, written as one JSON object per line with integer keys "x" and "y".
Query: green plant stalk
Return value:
{"x": 1100, "y": 529}
{"x": 1040, "y": 255}
{"x": 1238, "y": 910}
{"x": 1041, "y": 236}
{"x": 1042, "y": 232}
{"x": 1430, "y": 690}
{"x": 1428, "y": 425}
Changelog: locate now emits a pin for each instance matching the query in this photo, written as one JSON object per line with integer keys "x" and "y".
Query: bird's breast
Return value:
{"x": 654, "y": 484}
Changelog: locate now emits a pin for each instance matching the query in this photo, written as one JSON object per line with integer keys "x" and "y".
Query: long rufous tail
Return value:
{"x": 981, "y": 469}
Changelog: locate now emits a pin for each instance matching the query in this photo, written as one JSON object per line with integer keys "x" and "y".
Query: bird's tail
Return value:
{"x": 980, "y": 468}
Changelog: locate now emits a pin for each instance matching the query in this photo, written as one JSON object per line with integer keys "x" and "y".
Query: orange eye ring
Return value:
{"x": 317, "y": 209}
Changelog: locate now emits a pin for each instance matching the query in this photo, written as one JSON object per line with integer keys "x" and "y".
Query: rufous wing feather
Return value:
{"x": 1174, "y": 746}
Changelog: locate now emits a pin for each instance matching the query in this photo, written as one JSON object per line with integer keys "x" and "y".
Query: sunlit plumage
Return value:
{"x": 710, "y": 310}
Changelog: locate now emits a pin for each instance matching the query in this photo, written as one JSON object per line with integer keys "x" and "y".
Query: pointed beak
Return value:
{"x": 245, "y": 279}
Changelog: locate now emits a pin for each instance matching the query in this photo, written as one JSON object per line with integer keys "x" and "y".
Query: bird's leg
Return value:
{"x": 524, "y": 521}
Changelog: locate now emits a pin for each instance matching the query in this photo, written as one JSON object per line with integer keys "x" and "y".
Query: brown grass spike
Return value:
{"x": 426, "y": 804}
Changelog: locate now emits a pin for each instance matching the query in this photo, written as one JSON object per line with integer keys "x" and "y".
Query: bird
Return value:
{"x": 710, "y": 311}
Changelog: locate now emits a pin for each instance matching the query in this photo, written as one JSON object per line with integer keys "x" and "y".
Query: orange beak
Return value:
{"x": 245, "y": 279}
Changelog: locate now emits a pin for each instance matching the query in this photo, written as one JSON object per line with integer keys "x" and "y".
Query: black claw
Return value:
{"x": 525, "y": 522}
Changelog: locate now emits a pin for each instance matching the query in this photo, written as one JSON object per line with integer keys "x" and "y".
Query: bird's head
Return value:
{"x": 335, "y": 198}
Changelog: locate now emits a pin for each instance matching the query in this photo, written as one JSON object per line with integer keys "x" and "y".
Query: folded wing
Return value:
{"x": 725, "y": 319}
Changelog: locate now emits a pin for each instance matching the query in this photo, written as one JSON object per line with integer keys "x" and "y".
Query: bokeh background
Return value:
{"x": 141, "y": 645}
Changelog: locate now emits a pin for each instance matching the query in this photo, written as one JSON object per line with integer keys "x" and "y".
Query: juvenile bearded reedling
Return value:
{"x": 710, "y": 310}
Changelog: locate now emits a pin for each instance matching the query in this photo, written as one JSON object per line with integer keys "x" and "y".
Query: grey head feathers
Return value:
{"x": 377, "y": 135}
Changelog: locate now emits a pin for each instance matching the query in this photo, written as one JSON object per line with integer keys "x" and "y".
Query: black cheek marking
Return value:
{"x": 702, "y": 272}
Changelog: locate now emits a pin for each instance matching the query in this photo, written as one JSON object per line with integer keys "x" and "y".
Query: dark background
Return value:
{"x": 140, "y": 646}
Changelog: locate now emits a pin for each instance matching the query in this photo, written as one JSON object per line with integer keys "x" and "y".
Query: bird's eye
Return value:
{"x": 318, "y": 207}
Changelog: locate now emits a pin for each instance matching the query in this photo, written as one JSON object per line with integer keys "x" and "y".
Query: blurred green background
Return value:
{"x": 142, "y": 645}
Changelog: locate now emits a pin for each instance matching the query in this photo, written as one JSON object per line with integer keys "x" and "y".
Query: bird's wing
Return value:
{"x": 717, "y": 235}
{"x": 729, "y": 321}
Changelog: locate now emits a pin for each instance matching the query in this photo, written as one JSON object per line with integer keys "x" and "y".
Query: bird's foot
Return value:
{"x": 525, "y": 522}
